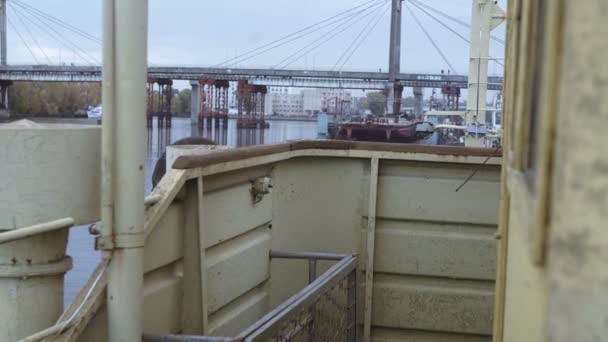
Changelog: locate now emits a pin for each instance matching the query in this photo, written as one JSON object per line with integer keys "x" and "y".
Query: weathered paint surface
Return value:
{"x": 433, "y": 267}
{"x": 578, "y": 245}
{"x": 555, "y": 257}
{"x": 48, "y": 172}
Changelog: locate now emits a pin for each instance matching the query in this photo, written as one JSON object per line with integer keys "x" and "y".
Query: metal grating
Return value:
{"x": 323, "y": 311}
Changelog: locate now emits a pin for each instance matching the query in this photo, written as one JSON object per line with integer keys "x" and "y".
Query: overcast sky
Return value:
{"x": 208, "y": 32}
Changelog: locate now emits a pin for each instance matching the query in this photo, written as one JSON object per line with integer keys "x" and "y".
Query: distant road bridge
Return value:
{"x": 269, "y": 77}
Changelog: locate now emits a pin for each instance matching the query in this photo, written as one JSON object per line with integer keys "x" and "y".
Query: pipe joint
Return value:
{"x": 120, "y": 241}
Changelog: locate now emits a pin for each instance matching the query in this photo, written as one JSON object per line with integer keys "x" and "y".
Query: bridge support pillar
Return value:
{"x": 251, "y": 105}
{"x": 418, "y": 100}
{"x": 194, "y": 103}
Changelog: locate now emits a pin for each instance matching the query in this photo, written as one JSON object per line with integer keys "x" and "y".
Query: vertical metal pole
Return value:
{"x": 124, "y": 78}
{"x": 370, "y": 249}
{"x": 312, "y": 275}
{"x": 3, "y": 52}
{"x": 394, "y": 58}
{"x": 3, "y": 29}
{"x": 194, "y": 103}
{"x": 351, "y": 306}
{"x": 312, "y": 270}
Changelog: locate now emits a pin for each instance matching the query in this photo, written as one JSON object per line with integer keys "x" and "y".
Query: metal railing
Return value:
{"x": 323, "y": 311}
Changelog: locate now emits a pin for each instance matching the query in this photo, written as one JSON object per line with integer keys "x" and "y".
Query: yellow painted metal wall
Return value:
{"x": 553, "y": 261}
{"x": 434, "y": 251}
{"x": 434, "y": 244}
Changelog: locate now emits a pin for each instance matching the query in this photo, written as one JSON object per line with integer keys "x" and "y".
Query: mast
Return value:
{"x": 486, "y": 16}
{"x": 125, "y": 29}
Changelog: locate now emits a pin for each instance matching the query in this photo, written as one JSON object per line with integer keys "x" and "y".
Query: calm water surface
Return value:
{"x": 80, "y": 245}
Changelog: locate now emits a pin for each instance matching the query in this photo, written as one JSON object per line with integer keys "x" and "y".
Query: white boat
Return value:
{"x": 95, "y": 112}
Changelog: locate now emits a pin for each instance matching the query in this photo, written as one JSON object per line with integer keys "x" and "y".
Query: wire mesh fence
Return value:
{"x": 329, "y": 318}
{"x": 323, "y": 311}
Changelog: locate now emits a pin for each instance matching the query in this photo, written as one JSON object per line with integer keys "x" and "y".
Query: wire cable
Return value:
{"x": 456, "y": 20}
{"x": 298, "y": 34}
{"x": 23, "y": 40}
{"x": 362, "y": 40}
{"x": 449, "y": 28}
{"x": 364, "y": 30}
{"x": 441, "y": 22}
{"x": 346, "y": 25}
{"x": 60, "y": 38}
{"x": 57, "y": 21}
{"x": 426, "y": 33}
{"x": 18, "y": 15}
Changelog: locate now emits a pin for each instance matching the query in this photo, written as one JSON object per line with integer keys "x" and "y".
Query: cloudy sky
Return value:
{"x": 206, "y": 32}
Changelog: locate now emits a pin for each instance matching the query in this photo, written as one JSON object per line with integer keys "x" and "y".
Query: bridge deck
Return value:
{"x": 272, "y": 77}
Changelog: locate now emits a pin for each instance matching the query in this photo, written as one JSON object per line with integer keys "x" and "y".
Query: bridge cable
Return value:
{"x": 426, "y": 33}
{"x": 344, "y": 26}
{"x": 314, "y": 44}
{"x": 362, "y": 40}
{"x": 22, "y": 40}
{"x": 19, "y": 16}
{"x": 61, "y": 39}
{"x": 371, "y": 24}
{"x": 456, "y": 20}
{"x": 450, "y": 29}
{"x": 440, "y": 22}
{"x": 57, "y": 21}
{"x": 299, "y": 34}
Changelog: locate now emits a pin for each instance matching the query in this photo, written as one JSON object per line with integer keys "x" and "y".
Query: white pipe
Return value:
{"x": 61, "y": 326}
{"x": 36, "y": 229}
{"x": 107, "y": 121}
{"x": 127, "y": 47}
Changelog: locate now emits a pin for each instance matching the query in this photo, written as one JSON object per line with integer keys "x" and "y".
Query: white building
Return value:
{"x": 284, "y": 104}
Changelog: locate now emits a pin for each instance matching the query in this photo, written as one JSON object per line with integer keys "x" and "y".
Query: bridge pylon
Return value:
{"x": 213, "y": 103}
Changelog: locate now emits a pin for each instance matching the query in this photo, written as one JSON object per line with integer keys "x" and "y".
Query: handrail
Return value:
{"x": 36, "y": 229}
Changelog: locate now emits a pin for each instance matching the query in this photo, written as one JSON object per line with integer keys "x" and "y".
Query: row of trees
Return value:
{"x": 375, "y": 102}
{"x": 52, "y": 98}
{"x": 70, "y": 98}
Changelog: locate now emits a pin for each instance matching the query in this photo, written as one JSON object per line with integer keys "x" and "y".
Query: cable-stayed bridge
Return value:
{"x": 29, "y": 24}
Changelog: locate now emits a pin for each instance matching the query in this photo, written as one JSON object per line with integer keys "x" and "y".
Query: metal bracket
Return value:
{"x": 112, "y": 242}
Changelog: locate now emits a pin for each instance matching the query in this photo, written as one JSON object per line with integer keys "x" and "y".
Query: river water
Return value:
{"x": 80, "y": 245}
